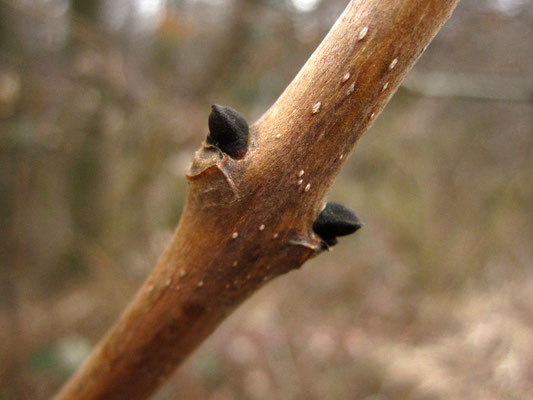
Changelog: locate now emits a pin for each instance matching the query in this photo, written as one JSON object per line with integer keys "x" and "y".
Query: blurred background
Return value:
{"x": 102, "y": 104}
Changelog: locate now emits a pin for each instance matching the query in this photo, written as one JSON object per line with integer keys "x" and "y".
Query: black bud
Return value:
{"x": 331, "y": 241}
{"x": 228, "y": 130}
{"x": 336, "y": 220}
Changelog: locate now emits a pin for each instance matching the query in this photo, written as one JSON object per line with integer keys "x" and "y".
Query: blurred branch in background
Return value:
{"x": 473, "y": 86}
{"x": 443, "y": 184}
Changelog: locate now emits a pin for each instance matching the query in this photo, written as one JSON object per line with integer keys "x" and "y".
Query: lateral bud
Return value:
{"x": 336, "y": 220}
{"x": 228, "y": 130}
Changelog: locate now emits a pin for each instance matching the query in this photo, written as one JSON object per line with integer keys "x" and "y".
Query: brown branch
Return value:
{"x": 247, "y": 221}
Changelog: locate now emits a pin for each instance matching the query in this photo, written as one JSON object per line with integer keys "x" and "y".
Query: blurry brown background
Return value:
{"x": 102, "y": 104}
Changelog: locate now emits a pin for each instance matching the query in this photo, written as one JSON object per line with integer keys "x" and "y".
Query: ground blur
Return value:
{"x": 102, "y": 105}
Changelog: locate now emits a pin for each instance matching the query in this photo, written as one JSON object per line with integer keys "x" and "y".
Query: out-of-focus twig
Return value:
{"x": 471, "y": 85}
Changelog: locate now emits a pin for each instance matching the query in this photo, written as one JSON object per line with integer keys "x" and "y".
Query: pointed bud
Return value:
{"x": 228, "y": 130}
{"x": 336, "y": 220}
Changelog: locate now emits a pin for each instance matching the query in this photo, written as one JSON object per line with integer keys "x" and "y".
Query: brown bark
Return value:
{"x": 247, "y": 221}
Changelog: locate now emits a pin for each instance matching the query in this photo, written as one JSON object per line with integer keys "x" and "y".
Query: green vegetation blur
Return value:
{"x": 102, "y": 104}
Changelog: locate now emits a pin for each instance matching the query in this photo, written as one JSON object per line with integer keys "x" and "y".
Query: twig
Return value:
{"x": 249, "y": 219}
